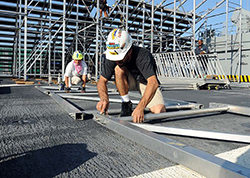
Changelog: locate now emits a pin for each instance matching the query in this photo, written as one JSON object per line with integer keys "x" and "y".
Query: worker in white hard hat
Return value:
{"x": 135, "y": 69}
{"x": 76, "y": 72}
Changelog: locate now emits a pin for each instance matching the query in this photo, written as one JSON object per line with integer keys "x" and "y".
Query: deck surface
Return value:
{"x": 39, "y": 139}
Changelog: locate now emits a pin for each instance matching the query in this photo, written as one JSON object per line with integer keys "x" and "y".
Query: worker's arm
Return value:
{"x": 67, "y": 89}
{"x": 84, "y": 79}
{"x": 67, "y": 81}
{"x": 103, "y": 104}
{"x": 152, "y": 85}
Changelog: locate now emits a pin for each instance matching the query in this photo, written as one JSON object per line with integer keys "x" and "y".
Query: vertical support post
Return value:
{"x": 100, "y": 47}
{"x": 49, "y": 46}
{"x": 240, "y": 42}
{"x": 194, "y": 14}
{"x": 19, "y": 36}
{"x": 226, "y": 31}
{"x": 143, "y": 22}
{"x": 161, "y": 24}
{"x": 174, "y": 26}
{"x": 97, "y": 41}
{"x": 84, "y": 42}
{"x": 152, "y": 27}
{"x": 54, "y": 67}
{"x": 127, "y": 4}
{"x": 63, "y": 36}
{"x": 41, "y": 58}
{"x": 25, "y": 40}
{"x": 14, "y": 68}
{"x": 77, "y": 18}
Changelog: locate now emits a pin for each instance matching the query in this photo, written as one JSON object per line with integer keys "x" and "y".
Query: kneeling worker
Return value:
{"x": 76, "y": 72}
{"x": 135, "y": 69}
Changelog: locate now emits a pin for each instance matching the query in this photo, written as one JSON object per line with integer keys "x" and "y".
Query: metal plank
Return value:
{"x": 195, "y": 133}
{"x": 199, "y": 161}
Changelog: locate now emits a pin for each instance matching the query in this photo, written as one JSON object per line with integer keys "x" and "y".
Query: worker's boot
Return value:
{"x": 62, "y": 86}
{"x": 126, "y": 109}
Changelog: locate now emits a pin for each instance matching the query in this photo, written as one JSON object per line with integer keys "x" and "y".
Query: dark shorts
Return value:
{"x": 103, "y": 7}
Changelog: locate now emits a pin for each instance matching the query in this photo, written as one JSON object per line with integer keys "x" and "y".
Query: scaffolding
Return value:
{"x": 38, "y": 37}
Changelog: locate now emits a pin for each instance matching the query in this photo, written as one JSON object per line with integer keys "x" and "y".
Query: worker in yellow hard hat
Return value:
{"x": 76, "y": 72}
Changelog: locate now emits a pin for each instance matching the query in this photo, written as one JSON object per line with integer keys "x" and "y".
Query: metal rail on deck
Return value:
{"x": 73, "y": 111}
{"x": 178, "y": 152}
{"x": 199, "y": 161}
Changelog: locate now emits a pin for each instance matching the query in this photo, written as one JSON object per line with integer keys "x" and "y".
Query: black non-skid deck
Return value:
{"x": 40, "y": 139}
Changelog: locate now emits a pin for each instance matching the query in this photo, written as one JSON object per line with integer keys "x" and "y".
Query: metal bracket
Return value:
{"x": 74, "y": 112}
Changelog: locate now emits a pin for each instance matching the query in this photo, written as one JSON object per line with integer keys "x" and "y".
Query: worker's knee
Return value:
{"x": 158, "y": 109}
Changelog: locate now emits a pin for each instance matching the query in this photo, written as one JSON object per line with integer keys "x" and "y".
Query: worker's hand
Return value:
{"x": 67, "y": 89}
{"x": 103, "y": 106}
{"x": 138, "y": 115}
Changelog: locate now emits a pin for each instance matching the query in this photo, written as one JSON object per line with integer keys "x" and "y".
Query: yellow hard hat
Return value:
{"x": 77, "y": 55}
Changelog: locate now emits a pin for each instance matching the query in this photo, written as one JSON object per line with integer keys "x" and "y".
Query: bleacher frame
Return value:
{"x": 43, "y": 34}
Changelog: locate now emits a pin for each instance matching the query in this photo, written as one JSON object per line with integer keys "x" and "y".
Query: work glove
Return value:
{"x": 67, "y": 89}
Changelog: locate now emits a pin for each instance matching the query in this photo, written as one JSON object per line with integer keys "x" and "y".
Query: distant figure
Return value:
{"x": 76, "y": 72}
{"x": 201, "y": 48}
{"x": 103, "y": 7}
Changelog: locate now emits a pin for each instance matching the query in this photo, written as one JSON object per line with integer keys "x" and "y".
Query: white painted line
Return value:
{"x": 239, "y": 156}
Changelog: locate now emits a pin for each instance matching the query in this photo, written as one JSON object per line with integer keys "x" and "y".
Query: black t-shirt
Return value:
{"x": 141, "y": 66}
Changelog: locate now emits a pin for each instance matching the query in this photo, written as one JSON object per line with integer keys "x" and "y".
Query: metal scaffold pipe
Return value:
{"x": 178, "y": 114}
{"x": 25, "y": 40}
{"x": 63, "y": 37}
{"x": 97, "y": 40}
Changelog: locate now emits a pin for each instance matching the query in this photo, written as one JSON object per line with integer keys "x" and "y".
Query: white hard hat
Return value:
{"x": 118, "y": 44}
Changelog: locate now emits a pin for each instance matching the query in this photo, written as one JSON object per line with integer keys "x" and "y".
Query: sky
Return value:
{"x": 209, "y": 4}
{"x": 215, "y": 21}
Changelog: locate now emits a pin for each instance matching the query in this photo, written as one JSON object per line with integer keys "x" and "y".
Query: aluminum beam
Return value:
{"x": 199, "y": 161}
{"x": 85, "y": 94}
{"x": 166, "y": 115}
{"x": 195, "y": 133}
{"x": 233, "y": 108}
{"x": 74, "y": 92}
{"x": 114, "y": 100}
{"x": 98, "y": 99}
{"x": 75, "y": 88}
